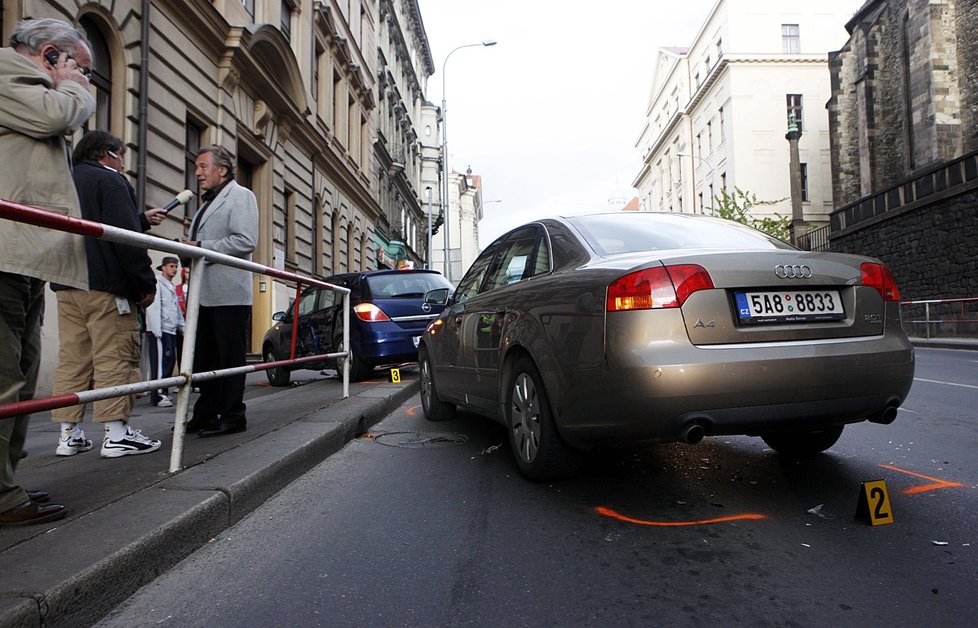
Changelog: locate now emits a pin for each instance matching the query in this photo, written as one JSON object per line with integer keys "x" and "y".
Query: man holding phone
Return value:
{"x": 43, "y": 96}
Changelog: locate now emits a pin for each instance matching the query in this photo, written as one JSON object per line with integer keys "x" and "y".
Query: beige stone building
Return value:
{"x": 718, "y": 109}
{"x": 319, "y": 101}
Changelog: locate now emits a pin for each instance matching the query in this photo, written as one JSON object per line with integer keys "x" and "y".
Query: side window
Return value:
{"x": 307, "y": 303}
{"x": 517, "y": 261}
{"x": 327, "y": 298}
{"x": 472, "y": 281}
{"x": 541, "y": 264}
{"x": 565, "y": 247}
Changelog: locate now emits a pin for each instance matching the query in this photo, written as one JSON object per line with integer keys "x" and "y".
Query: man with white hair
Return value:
{"x": 43, "y": 96}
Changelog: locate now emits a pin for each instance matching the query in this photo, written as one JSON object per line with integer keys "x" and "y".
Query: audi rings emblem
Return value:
{"x": 786, "y": 271}
{"x": 425, "y": 307}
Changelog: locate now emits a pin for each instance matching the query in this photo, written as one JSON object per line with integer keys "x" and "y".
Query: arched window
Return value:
{"x": 101, "y": 76}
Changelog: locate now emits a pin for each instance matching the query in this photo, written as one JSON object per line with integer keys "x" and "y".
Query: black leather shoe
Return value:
{"x": 222, "y": 429}
{"x": 40, "y": 497}
{"x": 32, "y": 512}
{"x": 194, "y": 426}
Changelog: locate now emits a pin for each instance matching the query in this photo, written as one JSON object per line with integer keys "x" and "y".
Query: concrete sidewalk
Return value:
{"x": 129, "y": 520}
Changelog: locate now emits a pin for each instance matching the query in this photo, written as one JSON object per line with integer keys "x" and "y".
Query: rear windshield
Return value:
{"x": 628, "y": 233}
{"x": 405, "y": 285}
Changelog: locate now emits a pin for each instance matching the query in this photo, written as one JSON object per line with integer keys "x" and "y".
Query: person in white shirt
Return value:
{"x": 164, "y": 320}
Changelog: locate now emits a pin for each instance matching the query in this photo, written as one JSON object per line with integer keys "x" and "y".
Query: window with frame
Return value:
{"x": 337, "y": 104}
{"x": 317, "y": 65}
{"x": 101, "y": 78}
{"x": 193, "y": 133}
{"x": 286, "y": 20}
{"x": 804, "y": 182}
{"x": 794, "y": 107}
{"x": 790, "y": 39}
{"x": 289, "y": 231}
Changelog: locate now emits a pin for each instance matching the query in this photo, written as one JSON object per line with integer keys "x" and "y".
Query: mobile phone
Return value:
{"x": 52, "y": 56}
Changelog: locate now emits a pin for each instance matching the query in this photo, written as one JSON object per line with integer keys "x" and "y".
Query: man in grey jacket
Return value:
{"x": 43, "y": 96}
{"x": 227, "y": 222}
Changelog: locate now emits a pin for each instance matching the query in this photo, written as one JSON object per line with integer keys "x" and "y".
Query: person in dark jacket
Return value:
{"x": 99, "y": 329}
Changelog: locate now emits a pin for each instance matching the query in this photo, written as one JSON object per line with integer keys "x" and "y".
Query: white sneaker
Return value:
{"x": 132, "y": 443}
{"x": 164, "y": 402}
{"x": 73, "y": 443}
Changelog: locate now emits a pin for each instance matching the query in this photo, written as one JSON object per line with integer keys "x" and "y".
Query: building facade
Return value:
{"x": 318, "y": 100}
{"x": 458, "y": 239}
{"x": 719, "y": 109}
{"x": 405, "y": 122}
{"x": 904, "y": 128}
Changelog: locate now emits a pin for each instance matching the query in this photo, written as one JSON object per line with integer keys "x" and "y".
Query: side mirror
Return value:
{"x": 438, "y": 296}
{"x": 278, "y": 316}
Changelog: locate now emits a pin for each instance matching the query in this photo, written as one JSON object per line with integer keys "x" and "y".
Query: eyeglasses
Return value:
{"x": 86, "y": 72}
{"x": 113, "y": 155}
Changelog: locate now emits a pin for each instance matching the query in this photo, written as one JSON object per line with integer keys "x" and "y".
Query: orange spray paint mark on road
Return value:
{"x": 607, "y": 512}
{"x": 937, "y": 482}
{"x": 413, "y": 409}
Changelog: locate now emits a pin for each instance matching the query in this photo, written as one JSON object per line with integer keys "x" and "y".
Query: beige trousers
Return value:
{"x": 99, "y": 348}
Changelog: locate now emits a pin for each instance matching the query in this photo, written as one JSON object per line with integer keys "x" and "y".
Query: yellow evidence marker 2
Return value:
{"x": 874, "y": 503}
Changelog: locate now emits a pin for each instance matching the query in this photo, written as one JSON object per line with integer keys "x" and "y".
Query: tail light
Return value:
{"x": 878, "y": 276}
{"x": 659, "y": 287}
{"x": 369, "y": 312}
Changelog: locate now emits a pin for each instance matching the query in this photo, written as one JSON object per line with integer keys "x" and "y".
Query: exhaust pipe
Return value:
{"x": 692, "y": 433}
{"x": 887, "y": 416}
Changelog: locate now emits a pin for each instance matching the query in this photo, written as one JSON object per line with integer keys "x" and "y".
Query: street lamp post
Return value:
{"x": 713, "y": 175}
{"x": 444, "y": 152}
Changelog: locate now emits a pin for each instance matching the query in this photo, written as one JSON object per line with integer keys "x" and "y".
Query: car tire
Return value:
{"x": 540, "y": 452}
{"x": 800, "y": 443}
{"x": 434, "y": 408}
{"x": 358, "y": 370}
{"x": 278, "y": 376}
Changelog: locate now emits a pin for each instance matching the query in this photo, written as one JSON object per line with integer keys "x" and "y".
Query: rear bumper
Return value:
{"x": 652, "y": 396}
{"x": 388, "y": 343}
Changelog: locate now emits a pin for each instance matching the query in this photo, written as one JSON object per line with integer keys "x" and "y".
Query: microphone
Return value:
{"x": 182, "y": 197}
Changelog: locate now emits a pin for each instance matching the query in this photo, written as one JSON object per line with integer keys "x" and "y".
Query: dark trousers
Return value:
{"x": 169, "y": 359}
{"x": 21, "y": 309}
{"x": 221, "y": 344}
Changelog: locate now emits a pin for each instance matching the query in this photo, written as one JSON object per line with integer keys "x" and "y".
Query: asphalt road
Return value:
{"x": 430, "y": 524}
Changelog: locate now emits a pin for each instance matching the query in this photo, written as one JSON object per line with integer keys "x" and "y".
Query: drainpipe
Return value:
{"x": 143, "y": 109}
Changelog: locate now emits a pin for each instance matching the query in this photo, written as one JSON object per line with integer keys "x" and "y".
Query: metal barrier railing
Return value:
{"x": 187, "y": 378}
{"x": 959, "y": 316}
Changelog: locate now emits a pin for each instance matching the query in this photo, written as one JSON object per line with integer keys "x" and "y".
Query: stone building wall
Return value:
{"x": 903, "y": 116}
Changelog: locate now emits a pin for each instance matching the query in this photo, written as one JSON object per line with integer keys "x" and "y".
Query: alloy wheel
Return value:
{"x": 525, "y": 415}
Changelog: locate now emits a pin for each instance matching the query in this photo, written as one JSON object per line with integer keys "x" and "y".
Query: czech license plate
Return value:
{"x": 795, "y": 306}
{"x": 417, "y": 341}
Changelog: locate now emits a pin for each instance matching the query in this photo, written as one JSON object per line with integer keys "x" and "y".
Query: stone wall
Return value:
{"x": 904, "y": 134}
{"x": 930, "y": 251}
{"x": 904, "y": 92}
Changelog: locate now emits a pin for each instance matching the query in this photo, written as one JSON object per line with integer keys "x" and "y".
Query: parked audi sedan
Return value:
{"x": 628, "y": 328}
{"x": 387, "y": 317}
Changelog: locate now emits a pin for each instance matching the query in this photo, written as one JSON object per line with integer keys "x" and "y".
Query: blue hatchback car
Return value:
{"x": 388, "y": 315}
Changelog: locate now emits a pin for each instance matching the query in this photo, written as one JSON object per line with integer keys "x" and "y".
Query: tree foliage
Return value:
{"x": 736, "y": 206}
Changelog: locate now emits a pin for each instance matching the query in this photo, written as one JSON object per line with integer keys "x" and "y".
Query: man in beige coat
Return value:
{"x": 43, "y": 96}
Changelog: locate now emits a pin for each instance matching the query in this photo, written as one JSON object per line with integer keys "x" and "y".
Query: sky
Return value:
{"x": 550, "y": 115}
